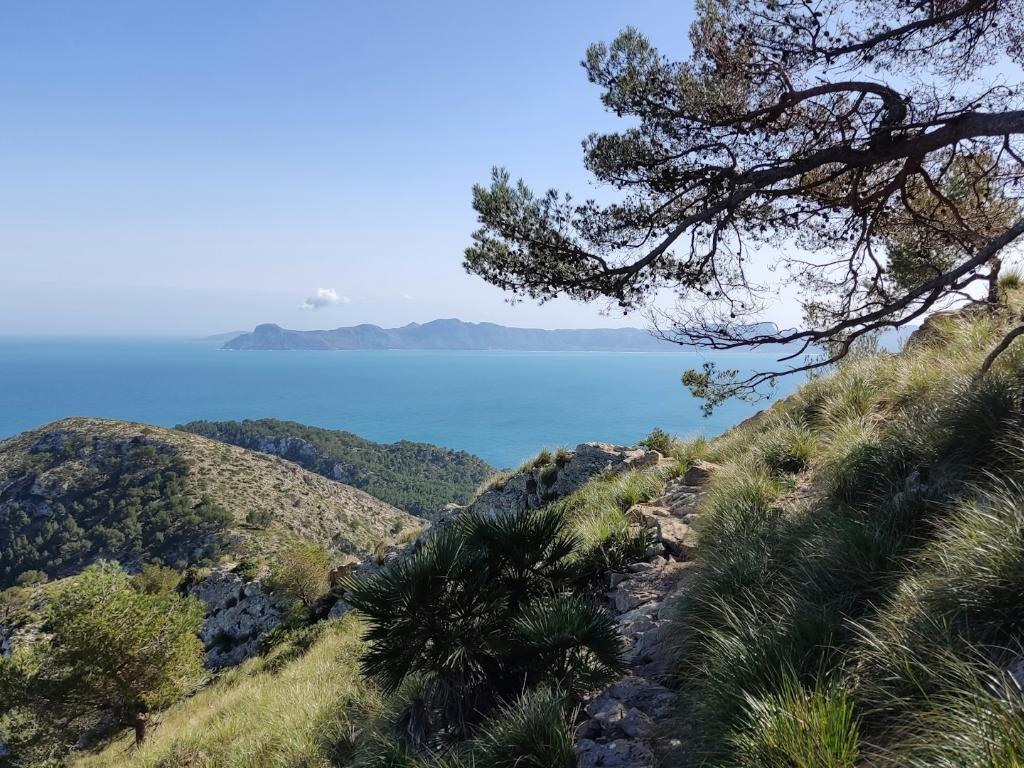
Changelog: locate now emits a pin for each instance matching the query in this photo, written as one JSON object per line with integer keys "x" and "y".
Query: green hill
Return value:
{"x": 417, "y": 477}
{"x": 81, "y": 489}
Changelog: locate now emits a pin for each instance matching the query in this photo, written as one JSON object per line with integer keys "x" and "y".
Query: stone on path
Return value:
{"x": 621, "y": 728}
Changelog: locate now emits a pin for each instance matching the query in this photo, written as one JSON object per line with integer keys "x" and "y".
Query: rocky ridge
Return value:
{"x": 566, "y": 472}
{"x": 620, "y": 730}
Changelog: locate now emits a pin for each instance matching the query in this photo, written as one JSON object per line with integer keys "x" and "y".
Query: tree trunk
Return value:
{"x": 139, "y": 723}
{"x": 993, "y": 283}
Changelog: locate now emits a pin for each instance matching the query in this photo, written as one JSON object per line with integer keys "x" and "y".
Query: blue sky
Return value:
{"x": 196, "y": 167}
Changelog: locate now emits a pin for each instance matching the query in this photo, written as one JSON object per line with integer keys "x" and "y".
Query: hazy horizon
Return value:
{"x": 179, "y": 171}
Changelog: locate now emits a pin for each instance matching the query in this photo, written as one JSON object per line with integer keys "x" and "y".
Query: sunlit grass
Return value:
{"x": 305, "y": 714}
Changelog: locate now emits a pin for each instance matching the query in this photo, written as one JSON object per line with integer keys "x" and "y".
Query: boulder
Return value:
{"x": 238, "y": 613}
{"x": 347, "y": 564}
{"x": 700, "y": 472}
{"x": 7, "y": 640}
{"x": 679, "y": 538}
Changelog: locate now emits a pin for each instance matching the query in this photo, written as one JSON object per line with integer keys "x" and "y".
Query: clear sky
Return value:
{"x": 194, "y": 167}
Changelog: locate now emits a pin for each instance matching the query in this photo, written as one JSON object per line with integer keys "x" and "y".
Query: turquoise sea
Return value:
{"x": 503, "y": 406}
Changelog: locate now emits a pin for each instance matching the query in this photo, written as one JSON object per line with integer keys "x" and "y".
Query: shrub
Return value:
{"x": 32, "y": 578}
{"x": 799, "y": 728}
{"x": 534, "y": 731}
{"x": 268, "y": 711}
{"x": 259, "y": 518}
{"x": 661, "y": 441}
{"x": 113, "y": 648}
{"x": 480, "y": 610}
{"x": 156, "y": 579}
{"x": 301, "y": 572}
{"x": 248, "y": 568}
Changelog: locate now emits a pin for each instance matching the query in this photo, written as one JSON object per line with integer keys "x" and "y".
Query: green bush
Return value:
{"x": 156, "y": 579}
{"x": 112, "y": 648}
{"x": 661, "y": 441}
{"x": 32, "y": 578}
{"x": 259, "y": 518}
{"x": 535, "y": 731}
{"x": 301, "y": 572}
{"x": 481, "y": 609}
{"x": 799, "y": 728}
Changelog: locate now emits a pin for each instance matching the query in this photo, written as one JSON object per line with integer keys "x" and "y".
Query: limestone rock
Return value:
{"x": 678, "y": 537}
{"x": 633, "y": 692}
{"x": 7, "y": 640}
{"x": 534, "y": 487}
{"x": 238, "y": 613}
{"x": 339, "y": 609}
{"x": 346, "y": 565}
{"x": 621, "y": 753}
{"x": 700, "y": 472}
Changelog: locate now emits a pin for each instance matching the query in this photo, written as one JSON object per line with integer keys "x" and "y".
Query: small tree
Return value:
{"x": 156, "y": 579}
{"x": 302, "y": 571}
{"x": 112, "y": 648}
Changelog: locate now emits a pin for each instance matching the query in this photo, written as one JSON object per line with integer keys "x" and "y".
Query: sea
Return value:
{"x": 502, "y": 406}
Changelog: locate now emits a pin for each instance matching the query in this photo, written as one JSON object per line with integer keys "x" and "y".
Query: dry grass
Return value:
{"x": 308, "y": 713}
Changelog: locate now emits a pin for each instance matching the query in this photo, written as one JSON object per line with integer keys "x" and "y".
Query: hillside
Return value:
{"x": 836, "y": 583}
{"x": 81, "y": 489}
{"x": 417, "y": 477}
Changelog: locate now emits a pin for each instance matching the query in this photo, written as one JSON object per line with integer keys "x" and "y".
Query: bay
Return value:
{"x": 502, "y": 406}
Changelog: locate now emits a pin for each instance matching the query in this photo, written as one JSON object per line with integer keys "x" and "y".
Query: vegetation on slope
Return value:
{"x": 417, "y": 477}
{"x": 71, "y": 500}
{"x": 79, "y": 490}
{"x": 855, "y": 600}
{"x": 110, "y": 650}
{"x": 302, "y": 704}
{"x": 857, "y": 595}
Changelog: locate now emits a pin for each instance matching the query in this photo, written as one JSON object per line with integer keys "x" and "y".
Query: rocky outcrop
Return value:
{"x": 238, "y": 613}
{"x": 7, "y": 640}
{"x": 563, "y": 474}
{"x": 619, "y": 731}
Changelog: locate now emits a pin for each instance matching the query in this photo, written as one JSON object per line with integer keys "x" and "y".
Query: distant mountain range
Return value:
{"x": 452, "y": 334}
{"x": 456, "y": 334}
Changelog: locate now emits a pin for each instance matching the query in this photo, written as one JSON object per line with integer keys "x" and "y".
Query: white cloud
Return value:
{"x": 406, "y": 297}
{"x": 324, "y": 297}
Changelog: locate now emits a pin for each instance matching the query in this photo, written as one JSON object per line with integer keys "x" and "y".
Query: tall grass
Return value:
{"x": 307, "y": 713}
{"x": 533, "y": 732}
{"x": 867, "y": 531}
{"x": 596, "y": 512}
{"x": 799, "y": 728}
